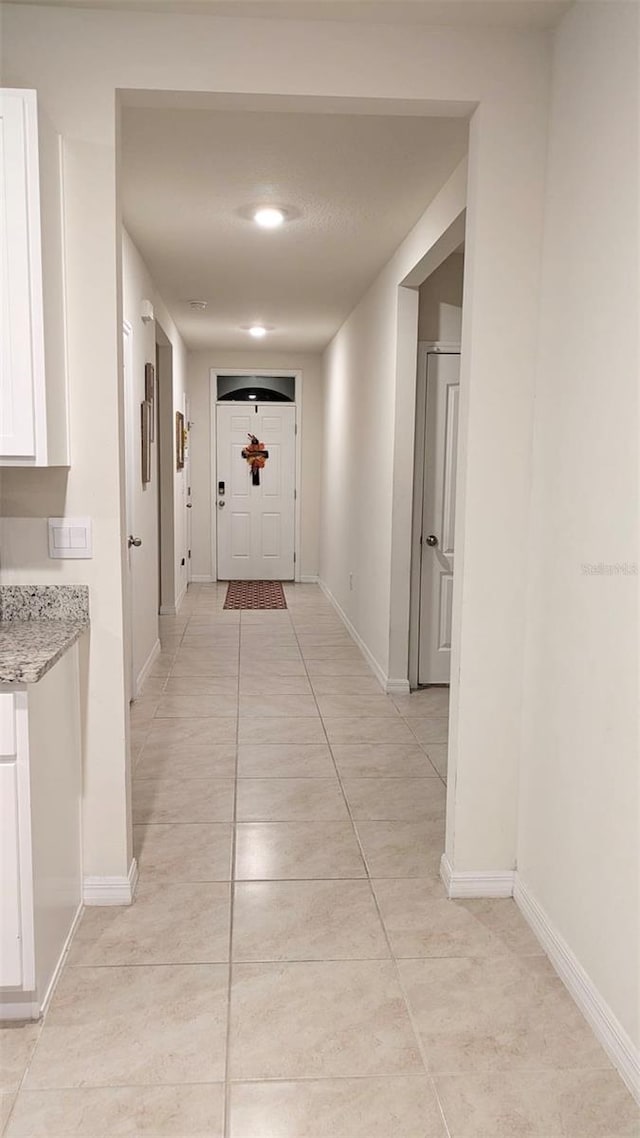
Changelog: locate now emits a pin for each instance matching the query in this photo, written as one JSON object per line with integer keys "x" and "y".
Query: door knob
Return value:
{"x": 189, "y": 505}
{"x": 220, "y": 504}
{"x": 136, "y": 541}
{"x": 431, "y": 539}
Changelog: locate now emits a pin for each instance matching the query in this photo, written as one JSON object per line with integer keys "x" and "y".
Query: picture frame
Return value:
{"x": 150, "y": 393}
{"x": 180, "y": 434}
{"x": 146, "y": 416}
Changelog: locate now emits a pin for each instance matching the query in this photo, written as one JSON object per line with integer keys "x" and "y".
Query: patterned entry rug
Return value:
{"x": 255, "y": 595}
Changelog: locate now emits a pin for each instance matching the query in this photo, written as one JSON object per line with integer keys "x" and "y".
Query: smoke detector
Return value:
{"x": 198, "y": 305}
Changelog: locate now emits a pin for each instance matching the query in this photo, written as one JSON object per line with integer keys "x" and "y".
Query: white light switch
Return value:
{"x": 70, "y": 537}
{"x": 61, "y": 537}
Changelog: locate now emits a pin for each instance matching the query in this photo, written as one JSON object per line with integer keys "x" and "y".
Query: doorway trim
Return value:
{"x": 403, "y": 458}
{"x": 129, "y": 468}
{"x": 168, "y": 604}
{"x": 267, "y": 373}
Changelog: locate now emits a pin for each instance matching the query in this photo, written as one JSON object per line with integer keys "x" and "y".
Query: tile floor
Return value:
{"x": 323, "y": 987}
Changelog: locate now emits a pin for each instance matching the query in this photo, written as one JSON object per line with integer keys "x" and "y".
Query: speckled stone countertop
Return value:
{"x": 38, "y": 623}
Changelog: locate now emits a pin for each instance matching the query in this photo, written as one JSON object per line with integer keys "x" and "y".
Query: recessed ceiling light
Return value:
{"x": 269, "y": 217}
{"x": 252, "y": 395}
{"x": 198, "y": 305}
{"x": 257, "y": 331}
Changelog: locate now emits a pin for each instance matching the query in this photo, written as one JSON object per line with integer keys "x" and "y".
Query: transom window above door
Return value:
{"x": 261, "y": 388}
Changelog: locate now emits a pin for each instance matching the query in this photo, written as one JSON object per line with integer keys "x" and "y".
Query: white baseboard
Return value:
{"x": 111, "y": 890}
{"x": 146, "y": 668}
{"x": 609, "y": 1032}
{"x": 389, "y": 685}
{"x": 606, "y": 1027}
{"x": 202, "y": 579}
{"x": 369, "y": 657}
{"x": 397, "y": 687}
{"x": 17, "y": 1012}
{"x": 32, "y": 1009}
{"x": 309, "y": 579}
{"x": 484, "y": 883}
{"x": 174, "y": 609}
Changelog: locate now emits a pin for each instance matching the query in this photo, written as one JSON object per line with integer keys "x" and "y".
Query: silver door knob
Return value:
{"x": 137, "y": 541}
{"x": 221, "y": 503}
{"x": 431, "y": 539}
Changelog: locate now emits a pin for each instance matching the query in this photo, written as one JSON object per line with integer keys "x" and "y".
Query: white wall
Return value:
{"x": 92, "y": 486}
{"x": 202, "y": 474}
{"x": 370, "y": 384}
{"x": 360, "y": 407}
{"x": 440, "y": 306}
{"x": 578, "y": 842}
{"x": 78, "y": 58}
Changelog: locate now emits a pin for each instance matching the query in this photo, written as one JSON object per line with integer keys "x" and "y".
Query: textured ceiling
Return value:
{"x": 353, "y": 186}
{"x": 474, "y": 13}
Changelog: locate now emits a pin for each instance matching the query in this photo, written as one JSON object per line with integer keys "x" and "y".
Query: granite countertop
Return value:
{"x": 38, "y": 623}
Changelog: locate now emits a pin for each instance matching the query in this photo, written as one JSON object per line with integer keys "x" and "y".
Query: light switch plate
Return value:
{"x": 70, "y": 537}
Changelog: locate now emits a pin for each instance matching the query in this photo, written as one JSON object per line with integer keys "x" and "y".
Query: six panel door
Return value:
{"x": 255, "y": 524}
{"x": 438, "y": 520}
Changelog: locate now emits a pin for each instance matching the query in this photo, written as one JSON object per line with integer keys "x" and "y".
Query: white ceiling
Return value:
{"x": 475, "y": 13}
{"x": 354, "y": 186}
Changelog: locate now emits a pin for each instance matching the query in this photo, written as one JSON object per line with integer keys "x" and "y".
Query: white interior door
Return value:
{"x": 255, "y": 524}
{"x": 438, "y": 517}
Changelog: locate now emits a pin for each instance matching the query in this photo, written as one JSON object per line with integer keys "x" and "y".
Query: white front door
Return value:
{"x": 438, "y": 517}
{"x": 255, "y": 523}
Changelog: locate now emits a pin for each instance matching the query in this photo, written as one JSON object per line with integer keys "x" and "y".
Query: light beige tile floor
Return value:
{"x": 291, "y": 967}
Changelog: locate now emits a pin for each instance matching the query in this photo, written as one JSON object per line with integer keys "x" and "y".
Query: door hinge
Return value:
{"x": 189, "y": 555}
{"x": 294, "y": 559}
{"x": 295, "y": 495}
{"x": 295, "y": 430}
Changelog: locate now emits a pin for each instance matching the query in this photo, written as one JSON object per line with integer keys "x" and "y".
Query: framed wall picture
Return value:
{"x": 145, "y": 438}
{"x": 179, "y": 440}
{"x": 150, "y": 393}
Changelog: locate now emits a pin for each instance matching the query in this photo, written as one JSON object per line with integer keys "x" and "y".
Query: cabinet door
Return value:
{"x": 21, "y": 337}
{"x": 17, "y": 958}
{"x": 10, "y": 914}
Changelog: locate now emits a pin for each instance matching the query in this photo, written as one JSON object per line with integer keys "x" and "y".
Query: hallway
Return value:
{"x": 359, "y": 1002}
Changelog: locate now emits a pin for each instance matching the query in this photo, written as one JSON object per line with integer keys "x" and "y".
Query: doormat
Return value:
{"x": 255, "y": 595}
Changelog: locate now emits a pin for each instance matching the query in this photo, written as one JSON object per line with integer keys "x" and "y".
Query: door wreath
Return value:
{"x": 256, "y": 456}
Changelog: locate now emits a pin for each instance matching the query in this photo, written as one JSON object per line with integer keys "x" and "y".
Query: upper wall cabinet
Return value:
{"x": 33, "y": 372}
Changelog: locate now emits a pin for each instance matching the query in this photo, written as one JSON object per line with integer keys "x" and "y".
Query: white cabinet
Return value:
{"x": 17, "y": 963}
{"x": 12, "y": 963}
{"x": 40, "y": 836}
{"x": 33, "y": 372}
